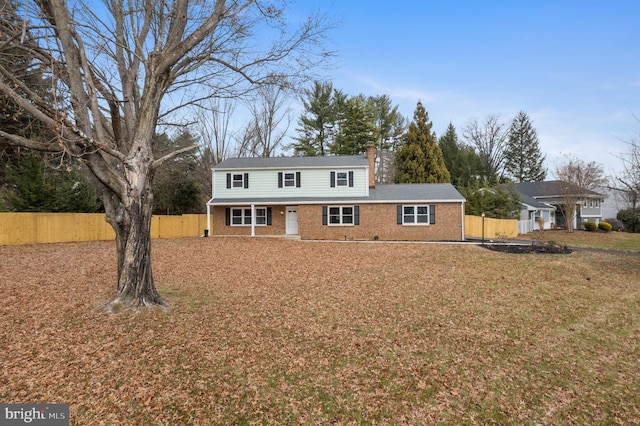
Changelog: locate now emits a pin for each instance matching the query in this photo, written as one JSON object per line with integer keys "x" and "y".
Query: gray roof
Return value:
{"x": 400, "y": 193}
{"x": 293, "y": 162}
{"x": 549, "y": 189}
{"x": 532, "y": 202}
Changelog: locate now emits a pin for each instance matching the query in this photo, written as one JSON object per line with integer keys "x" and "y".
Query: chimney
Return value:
{"x": 371, "y": 156}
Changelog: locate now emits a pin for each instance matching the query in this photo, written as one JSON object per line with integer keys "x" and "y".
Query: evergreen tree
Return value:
{"x": 419, "y": 158}
{"x": 35, "y": 186}
{"x": 464, "y": 165}
{"x": 176, "y": 189}
{"x": 357, "y": 127}
{"x": 523, "y": 159}
{"x": 316, "y": 125}
{"x": 18, "y": 62}
{"x": 499, "y": 201}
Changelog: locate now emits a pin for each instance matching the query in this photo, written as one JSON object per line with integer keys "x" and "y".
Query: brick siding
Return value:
{"x": 376, "y": 220}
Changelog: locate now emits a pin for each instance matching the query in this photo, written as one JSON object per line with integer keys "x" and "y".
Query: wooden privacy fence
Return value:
{"x": 34, "y": 228}
{"x": 493, "y": 228}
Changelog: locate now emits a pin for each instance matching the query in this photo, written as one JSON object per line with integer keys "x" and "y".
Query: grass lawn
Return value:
{"x": 604, "y": 240}
{"x": 264, "y": 331}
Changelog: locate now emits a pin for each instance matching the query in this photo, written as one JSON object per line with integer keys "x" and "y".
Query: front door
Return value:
{"x": 292, "y": 221}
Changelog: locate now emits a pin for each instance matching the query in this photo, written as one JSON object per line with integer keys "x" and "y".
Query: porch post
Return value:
{"x": 208, "y": 219}
{"x": 253, "y": 220}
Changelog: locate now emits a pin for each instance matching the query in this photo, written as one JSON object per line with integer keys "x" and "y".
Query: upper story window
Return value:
{"x": 289, "y": 180}
{"x": 420, "y": 214}
{"x": 342, "y": 179}
{"x": 237, "y": 180}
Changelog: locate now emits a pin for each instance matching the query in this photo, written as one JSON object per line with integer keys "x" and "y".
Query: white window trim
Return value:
{"x": 284, "y": 180}
{"x": 415, "y": 215}
{"x": 234, "y": 181}
{"x": 341, "y": 215}
{"x": 346, "y": 179}
{"x": 245, "y": 217}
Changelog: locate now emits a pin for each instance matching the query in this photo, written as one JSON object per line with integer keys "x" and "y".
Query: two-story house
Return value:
{"x": 547, "y": 200}
{"x": 331, "y": 197}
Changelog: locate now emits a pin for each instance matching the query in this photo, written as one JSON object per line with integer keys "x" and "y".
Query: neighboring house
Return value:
{"x": 547, "y": 200}
{"x": 330, "y": 197}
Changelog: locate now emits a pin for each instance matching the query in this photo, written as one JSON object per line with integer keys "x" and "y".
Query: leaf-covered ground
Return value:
{"x": 266, "y": 331}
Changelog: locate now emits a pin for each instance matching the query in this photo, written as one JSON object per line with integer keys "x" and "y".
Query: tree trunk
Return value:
{"x": 131, "y": 221}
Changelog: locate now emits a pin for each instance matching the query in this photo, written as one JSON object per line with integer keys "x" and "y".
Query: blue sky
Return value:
{"x": 572, "y": 66}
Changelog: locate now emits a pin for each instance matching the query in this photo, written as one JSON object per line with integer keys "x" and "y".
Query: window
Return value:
{"x": 237, "y": 180}
{"x": 261, "y": 216}
{"x": 341, "y": 215}
{"x": 420, "y": 214}
{"x": 288, "y": 179}
{"x": 241, "y": 216}
{"x": 342, "y": 179}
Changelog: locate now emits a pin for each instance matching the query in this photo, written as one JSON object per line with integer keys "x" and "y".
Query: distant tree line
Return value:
{"x": 485, "y": 155}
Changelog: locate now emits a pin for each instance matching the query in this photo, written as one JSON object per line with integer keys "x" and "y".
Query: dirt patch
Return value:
{"x": 526, "y": 249}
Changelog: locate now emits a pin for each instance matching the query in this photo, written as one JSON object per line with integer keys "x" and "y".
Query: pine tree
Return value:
{"x": 357, "y": 127}
{"x": 461, "y": 160}
{"x": 35, "y": 186}
{"x": 419, "y": 158}
{"x": 318, "y": 122}
{"x": 523, "y": 159}
{"x": 175, "y": 187}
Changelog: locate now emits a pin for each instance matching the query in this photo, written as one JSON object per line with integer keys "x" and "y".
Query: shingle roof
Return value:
{"x": 293, "y": 162}
{"x": 553, "y": 188}
{"x": 401, "y": 193}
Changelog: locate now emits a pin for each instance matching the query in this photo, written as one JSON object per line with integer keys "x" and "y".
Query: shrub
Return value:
{"x": 631, "y": 219}
{"x": 616, "y": 225}
{"x": 605, "y": 226}
{"x": 590, "y": 226}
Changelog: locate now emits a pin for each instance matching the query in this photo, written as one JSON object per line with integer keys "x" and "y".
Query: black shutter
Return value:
{"x": 399, "y": 209}
{"x": 432, "y": 214}
{"x": 356, "y": 215}
{"x": 269, "y": 216}
{"x": 333, "y": 179}
{"x": 246, "y": 180}
{"x": 297, "y": 179}
{"x": 279, "y": 179}
{"x": 227, "y": 216}
{"x": 351, "y": 179}
{"x": 228, "y": 180}
{"x": 325, "y": 219}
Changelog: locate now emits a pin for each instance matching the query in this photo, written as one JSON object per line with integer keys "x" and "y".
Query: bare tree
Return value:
{"x": 119, "y": 68}
{"x": 215, "y": 138}
{"x": 627, "y": 182}
{"x": 577, "y": 179}
{"x": 269, "y": 122}
{"x": 489, "y": 139}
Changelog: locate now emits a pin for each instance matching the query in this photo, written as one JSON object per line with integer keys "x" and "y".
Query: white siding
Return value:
{"x": 314, "y": 183}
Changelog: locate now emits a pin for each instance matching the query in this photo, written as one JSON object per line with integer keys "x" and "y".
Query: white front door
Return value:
{"x": 292, "y": 221}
